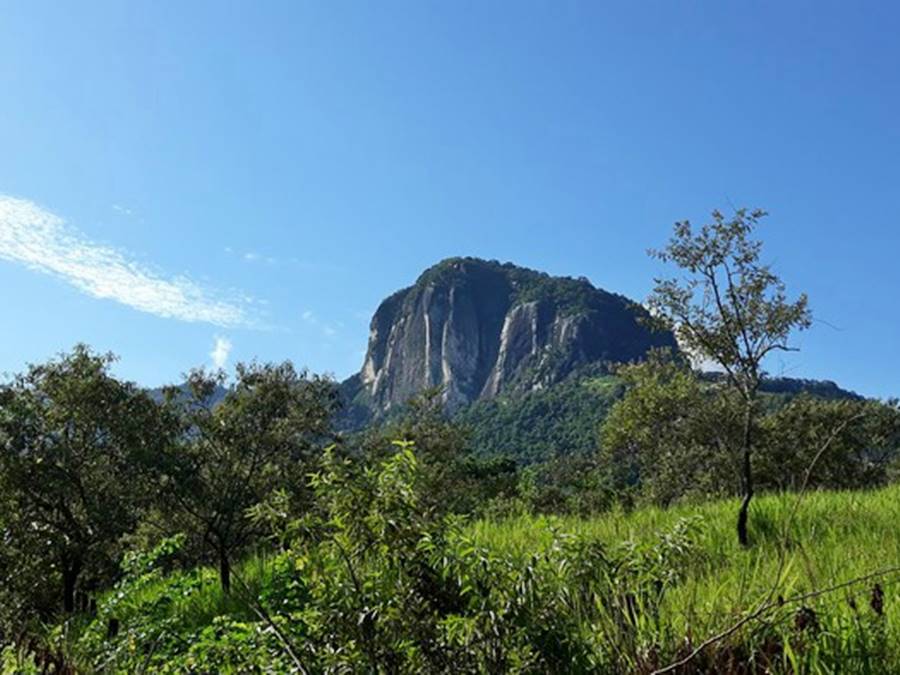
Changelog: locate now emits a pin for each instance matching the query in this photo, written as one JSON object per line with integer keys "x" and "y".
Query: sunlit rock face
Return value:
{"x": 479, "y": 328}
{"x": 443, "y": 331}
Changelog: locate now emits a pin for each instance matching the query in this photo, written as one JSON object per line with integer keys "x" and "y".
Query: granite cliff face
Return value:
{"x": 478, "y": 328}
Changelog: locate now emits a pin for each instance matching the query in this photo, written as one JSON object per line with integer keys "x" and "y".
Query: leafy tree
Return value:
{"x": 444, "y": 448}
{"x": 454, "y": 479}
{"x": 729, "y": 308}
{"x": 263, "y": 435}
{"x": 841, "y": 444}
{"x": 567, "y": 484}
{"x": 70, "y": 435}
{"x": 668, "y": 437}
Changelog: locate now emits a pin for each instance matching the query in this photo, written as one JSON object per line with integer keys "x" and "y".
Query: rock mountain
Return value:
{"x": 480, "y": 328}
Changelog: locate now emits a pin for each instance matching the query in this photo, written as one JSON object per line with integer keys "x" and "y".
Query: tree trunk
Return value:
{"x": 224, "y": 571}
{"x": 747, "y": 476}
{"x": 71, "y": 568}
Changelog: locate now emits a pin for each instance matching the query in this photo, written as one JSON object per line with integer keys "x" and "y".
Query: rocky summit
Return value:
{"x": 480, "y": 328}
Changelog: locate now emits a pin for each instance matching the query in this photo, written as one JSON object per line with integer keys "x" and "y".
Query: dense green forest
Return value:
{"x": 636, "y": 518}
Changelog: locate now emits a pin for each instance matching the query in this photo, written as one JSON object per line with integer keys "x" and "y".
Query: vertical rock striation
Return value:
{"x": 479, "y": 328}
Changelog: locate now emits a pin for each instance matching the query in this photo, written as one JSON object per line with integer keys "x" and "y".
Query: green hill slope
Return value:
{"x": 562, "y": 419}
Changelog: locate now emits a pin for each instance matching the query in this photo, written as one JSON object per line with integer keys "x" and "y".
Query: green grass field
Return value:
{"x": 834, "y": 538}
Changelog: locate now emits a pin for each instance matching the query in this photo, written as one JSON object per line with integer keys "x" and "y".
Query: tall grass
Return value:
{"x": 177, "y": 606}
{"x": 834, "y": 537}
{"x": 202, "y": 598}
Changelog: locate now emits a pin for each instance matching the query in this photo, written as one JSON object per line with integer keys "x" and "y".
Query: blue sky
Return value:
{"x": 258, "y": 176}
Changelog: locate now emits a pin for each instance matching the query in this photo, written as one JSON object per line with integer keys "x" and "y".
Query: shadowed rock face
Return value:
{"x": 479, "y": 328}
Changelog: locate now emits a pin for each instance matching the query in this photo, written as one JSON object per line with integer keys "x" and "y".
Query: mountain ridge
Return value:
{"x": 480, "y": 328}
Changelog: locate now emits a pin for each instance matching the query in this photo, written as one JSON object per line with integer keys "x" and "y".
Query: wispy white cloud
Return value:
{"x": 221, "y": 351}
{"x": 291, "y": 263}
{"x": 311, "y": 319}
{"x": 253, "y": 256}
{"x": 42, "y": 241}
{"x": 125, "y": 211}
